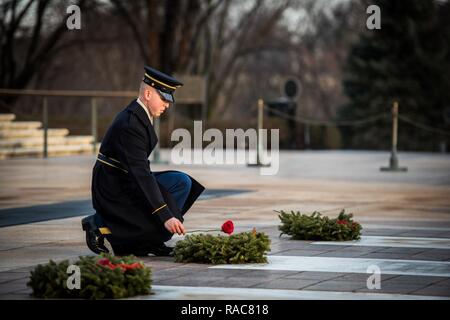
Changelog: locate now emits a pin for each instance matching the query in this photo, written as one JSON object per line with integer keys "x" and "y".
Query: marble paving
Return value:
{"x": 397, "y": 242}
{"x": 405, "y": 219}
{"x": 216, "y": 293}
{"x": 348, "y": 265}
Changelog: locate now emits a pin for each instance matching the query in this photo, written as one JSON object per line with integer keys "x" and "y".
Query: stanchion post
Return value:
{"x": 45, "y": 124}
{"x": 259, "y": 140}
{"x": 307, "y": 137}
{"x": 156, "y": 151}
{"x": 94, "y": 125}
{"x": 393, "y": 161}
{"x": 259, "y": 133}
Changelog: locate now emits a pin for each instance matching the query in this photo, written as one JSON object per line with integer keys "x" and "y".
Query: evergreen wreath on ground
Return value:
{"x": 101, "y": 277}
{"x": 244, "y": 247}
{"x": 317, "y": 227}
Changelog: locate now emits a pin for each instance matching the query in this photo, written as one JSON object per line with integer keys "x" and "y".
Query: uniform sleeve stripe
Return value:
{"x": 109, "y": 158}
{"x": 111, "y": 165}
{"x": 165, "y": 205}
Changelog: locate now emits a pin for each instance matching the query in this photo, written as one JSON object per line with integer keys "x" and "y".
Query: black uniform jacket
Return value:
{"x": 125, "y": 193}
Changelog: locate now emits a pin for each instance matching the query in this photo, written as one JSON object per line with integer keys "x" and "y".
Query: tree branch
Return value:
{"x": 134, "y": 29}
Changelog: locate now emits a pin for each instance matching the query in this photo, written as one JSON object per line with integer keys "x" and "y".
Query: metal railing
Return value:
{"x": 93, "y": 95}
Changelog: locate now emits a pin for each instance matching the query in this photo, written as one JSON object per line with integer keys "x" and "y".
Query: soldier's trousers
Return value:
{"x": 178, "y": 184}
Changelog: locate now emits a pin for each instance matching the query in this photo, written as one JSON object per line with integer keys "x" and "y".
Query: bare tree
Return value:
{"x": 196, "y": 37}
{"x": 28, "y": 40}
{"x": 166, "y": 31}
{"x": 247, "y": 38}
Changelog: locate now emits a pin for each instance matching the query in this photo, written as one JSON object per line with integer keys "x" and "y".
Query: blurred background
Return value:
{"x": 329, "y": 82}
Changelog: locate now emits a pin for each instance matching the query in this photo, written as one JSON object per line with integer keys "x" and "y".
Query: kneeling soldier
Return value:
{"x": 137, "y": 210}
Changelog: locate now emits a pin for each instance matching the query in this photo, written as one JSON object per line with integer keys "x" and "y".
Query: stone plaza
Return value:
{"x": 405, "y": 218}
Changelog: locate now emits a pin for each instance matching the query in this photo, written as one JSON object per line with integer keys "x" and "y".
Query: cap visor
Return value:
{"x": 167, "y": 96}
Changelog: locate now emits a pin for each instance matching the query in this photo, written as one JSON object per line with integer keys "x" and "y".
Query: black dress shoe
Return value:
{"x": 160, "y": 250}
{"x": 94, "y": 239}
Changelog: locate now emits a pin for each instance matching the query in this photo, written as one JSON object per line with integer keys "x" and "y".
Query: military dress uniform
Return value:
{"x": 132, "y": 203}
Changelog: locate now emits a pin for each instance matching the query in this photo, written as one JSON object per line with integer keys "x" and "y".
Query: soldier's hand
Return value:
{"x": 175, "y": 226}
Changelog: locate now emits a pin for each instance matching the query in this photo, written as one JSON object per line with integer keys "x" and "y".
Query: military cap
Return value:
{"x": 163, "y": 83}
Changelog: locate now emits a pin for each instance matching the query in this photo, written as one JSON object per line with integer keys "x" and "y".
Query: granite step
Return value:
{"x": 29, "y": 133}
{"x": 39, "y": 141}
{"x": 6, "y": 117}
{"x": 58, "y": 150}
{"x": 20, "y": 125}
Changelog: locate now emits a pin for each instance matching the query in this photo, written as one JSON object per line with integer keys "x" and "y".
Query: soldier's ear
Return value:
{"x": 148, "y": 93}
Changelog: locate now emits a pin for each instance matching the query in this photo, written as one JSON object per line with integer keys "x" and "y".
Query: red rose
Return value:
{"x": 228, "y": 227}
{"x": 342, "y": 222}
